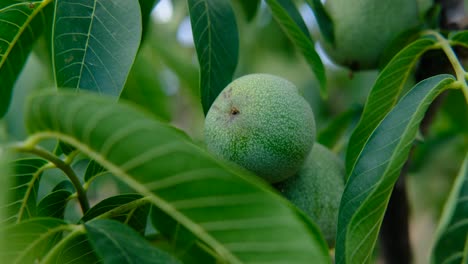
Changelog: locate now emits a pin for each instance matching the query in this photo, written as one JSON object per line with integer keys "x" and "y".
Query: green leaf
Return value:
{"x": 30, "y": 240}
{"x": 333, "y": 133}
{"x": 92, "y": 170}
{"x": 74, "y": 248}
{"x": 130, "y": 209}
{"x": 144, "y": 88}
{"x": 6, "y": 3}
{"x": 290, "y": 20}
{"x": 24, "y": 184}
{"x": 5, "y": 169}
{"x": 20, "y": 25}
{"x": 117, "y": 243}
{"x": 146, "y": 7}
{"x": 377, "y": 169}
{"x": 216, "y": 39}
{"x": 95, "y": 43}
{"x": 250, "y": 8}
{"x": 324, "y": 20}
{"x": 459, "y": 38}
{"x": 54, "y": 204}
{"x": 384, "y": 95}
{"x": 452, "y": 235}
{"x": 64, "y": 148}
{"x": 236, "y": 214}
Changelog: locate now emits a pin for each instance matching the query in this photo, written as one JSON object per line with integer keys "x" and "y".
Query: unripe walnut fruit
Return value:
{"x": 364, "y": 28}
{"x": 317, "y": 189}
{"x": 262, "y": 123}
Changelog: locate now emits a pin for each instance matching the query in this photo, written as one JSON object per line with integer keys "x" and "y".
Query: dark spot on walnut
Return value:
{"x": 234, "y": 111}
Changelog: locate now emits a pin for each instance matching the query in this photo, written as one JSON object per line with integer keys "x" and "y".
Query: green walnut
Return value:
{"x": 317, "y": 189}
{"x": 263, "y": 124}
{"x": 364, "y": 28}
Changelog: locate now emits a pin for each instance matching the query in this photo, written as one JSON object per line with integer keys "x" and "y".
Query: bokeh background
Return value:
{"x": 164, "y": 81}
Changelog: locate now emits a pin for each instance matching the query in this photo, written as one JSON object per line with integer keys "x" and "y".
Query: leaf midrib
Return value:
{"x": 391, "y": 164}
{"x": 43, "y": 236}
{"x": 86, "y": 48}
{"x": 27, "y": 195}
{"x": 162, "y": 204}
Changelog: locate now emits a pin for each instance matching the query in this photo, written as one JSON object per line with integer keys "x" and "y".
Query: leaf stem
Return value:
{"x": 30, "y": 147}
{"x": 460, "y": 72}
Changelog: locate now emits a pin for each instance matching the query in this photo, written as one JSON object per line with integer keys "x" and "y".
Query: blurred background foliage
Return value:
{"x": 164, "y": 81}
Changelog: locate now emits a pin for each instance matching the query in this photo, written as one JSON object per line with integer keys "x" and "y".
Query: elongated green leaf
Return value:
{"x": 377, "y": 169}
{"x": 117, "y": 243}
{"x": 130, "y": 209}
{"x": 92, "y": 170}
{"x": 250, "y": 8}
{"x": 452, "y": 236}
{"x": 323, "y": 20}
{"x": 290, "y": 20}
{"x": 235, "y": 214}
{"x": 53, "y": 204}
{"x": 216, "y": 39}
{"x": 384, "y": 95}
{"x": 32, "y": 239}
{"x": 74, "y": 248}
{"x": 20, "y": 25}
{"x": 22, "y": 194}
{"x": 459, "y": 38}
{"x": 95, "y": 43}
